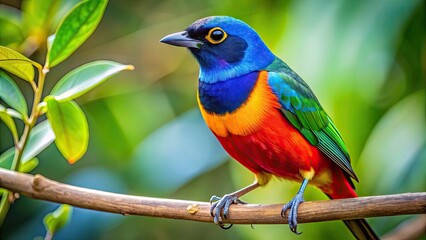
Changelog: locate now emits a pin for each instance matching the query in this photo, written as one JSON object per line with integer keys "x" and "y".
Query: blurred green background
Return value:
{"x": 365, "y": 60}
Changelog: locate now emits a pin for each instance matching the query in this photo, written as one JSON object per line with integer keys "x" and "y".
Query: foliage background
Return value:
{"x": 365, "y": 60}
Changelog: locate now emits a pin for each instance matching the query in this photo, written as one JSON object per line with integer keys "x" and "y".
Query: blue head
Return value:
{"x": 224, "y": 47}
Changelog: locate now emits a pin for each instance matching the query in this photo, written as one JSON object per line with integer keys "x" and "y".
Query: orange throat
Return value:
{"x": 249, "y": 116}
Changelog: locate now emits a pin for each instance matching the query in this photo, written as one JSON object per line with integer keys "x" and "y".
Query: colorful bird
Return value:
{"x": 266, "y": 117}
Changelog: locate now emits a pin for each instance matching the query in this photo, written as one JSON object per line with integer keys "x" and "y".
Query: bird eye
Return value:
{"x": 216, "y": 35}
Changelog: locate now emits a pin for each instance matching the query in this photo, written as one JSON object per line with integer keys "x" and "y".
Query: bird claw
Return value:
{"x": 220, "y": 208}
{"x": 293, "y": 205}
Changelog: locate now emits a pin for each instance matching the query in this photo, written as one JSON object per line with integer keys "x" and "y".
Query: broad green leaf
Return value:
{"x": 75, "y": 28}
{"x": 70, "y": 127}
{"x": 29, "y": 165}
{"x": 55, "y": 220}
{"x": 11, "y": 94}
{"x": 8, "y": 120}
{"x": 63, "y": 9}
{"x": 40, "y": 138}
{"x": 16, "y": 63}
{"x": 85, "y": 78}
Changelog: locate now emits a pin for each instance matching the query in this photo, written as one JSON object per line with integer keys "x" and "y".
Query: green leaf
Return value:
{"x": 57, "y": 219}
{"x": 29, "y": 165}
{"x": 70, "y": 127}
{"x": 75, "y": 28}
{"x": 40, "y": 138}
{"x": 16, "y": 63}
{"x": 6, "y": 158}
{"x": 14, "y": 113}
{"x": 11, "y": 94}
{"x": 7, "y": 119}
{"x": 85, "y": 78}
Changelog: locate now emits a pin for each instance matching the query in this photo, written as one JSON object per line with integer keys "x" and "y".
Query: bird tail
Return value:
{"x": 361, "y": 229}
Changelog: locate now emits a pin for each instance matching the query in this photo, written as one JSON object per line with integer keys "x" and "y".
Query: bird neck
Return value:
{"x": 217, "y": 70}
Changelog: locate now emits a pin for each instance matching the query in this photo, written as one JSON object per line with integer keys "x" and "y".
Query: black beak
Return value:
{"x": 181, "y": 39}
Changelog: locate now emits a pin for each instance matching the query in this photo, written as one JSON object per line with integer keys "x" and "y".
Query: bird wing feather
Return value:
{"x": 303, "y": 110}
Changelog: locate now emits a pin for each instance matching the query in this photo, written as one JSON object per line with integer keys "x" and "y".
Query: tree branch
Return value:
{"x": 39, "y": 187}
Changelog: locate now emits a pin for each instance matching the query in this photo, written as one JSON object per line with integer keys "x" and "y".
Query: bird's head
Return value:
{"x": 224, "y": 47}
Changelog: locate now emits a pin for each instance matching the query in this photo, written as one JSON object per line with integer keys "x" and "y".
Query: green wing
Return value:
{"x": 303, "y": 110}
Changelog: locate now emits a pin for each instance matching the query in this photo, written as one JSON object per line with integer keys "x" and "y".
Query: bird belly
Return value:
{"x": 279, "y": 149}
{"x": 259, "y": 137}
{"x": 276, "y": 147}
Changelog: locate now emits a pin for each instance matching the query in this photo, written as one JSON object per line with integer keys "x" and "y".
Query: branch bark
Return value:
{"x": 39, "y": 187}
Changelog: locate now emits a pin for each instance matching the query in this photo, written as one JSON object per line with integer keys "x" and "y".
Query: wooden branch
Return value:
{"x": 39, "y": 187}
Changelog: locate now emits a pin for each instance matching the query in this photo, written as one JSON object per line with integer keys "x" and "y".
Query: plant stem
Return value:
{"x": 4, "y": 205}
{"x": 20, "y": 145}
{"x": 38, "y": 91}
{"x": 48, "y": 236}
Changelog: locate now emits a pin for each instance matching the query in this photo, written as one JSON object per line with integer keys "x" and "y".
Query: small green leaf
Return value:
{"x": 6, "y": 158}
{"x": 42, "y": 108}
{"x": 70, "y": 127}
{"x": 40, "y": 138}
{"x": 57, "y": 219}
{"x": 16, "y": 63}
{"x": 85, "y": 78}
{"x": 11, "y": 94}
{"x": 14, "y": 113}
{"x": 29, "y": 165}
{"x": 75, "y": 28}
{"x": 8, "y": 120}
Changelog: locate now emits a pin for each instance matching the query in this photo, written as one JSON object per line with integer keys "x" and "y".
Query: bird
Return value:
{"x": 266, "y": 117}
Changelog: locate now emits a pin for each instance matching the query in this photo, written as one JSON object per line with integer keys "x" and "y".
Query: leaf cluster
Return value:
{"x": 66, "y": 123}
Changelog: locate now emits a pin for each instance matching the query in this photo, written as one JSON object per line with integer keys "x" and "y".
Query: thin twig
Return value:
{"x": 29, "y": 124}
{"x": 39, "y": 187}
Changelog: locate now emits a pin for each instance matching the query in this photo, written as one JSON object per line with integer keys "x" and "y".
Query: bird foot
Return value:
{"x": 293, "y": 205}
{"x": 220, "y": 208}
